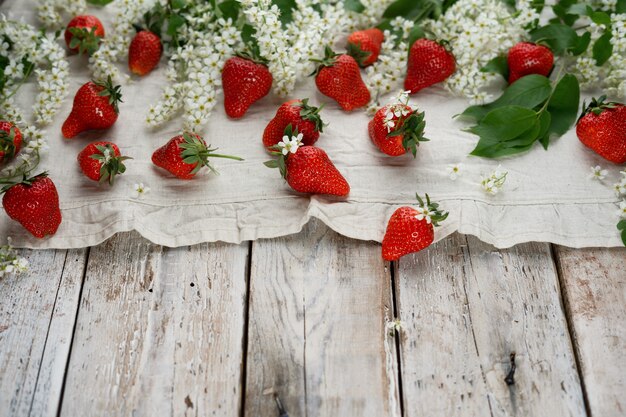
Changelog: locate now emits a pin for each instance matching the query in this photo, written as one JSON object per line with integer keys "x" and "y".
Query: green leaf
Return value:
{"x": 505, "y": 131}
{"x": 564, "y": 14}
{"x": 354, "y": 5}
{"x": 563, "y": 105}
{"x": 601, "y": 18}
{"x": 229, "y": 9}
{"x": 286, "y": 8}
{"x": 272, "y": 163}
{"x": 602, "y": 49}
{"x": 177, "y": 4}
{"x": 559, "y": 37}
{"x": 620, "y": 7}
{"x": 583, "y": 43}
{"x": 99, "y": 2}
{"x": 416, "y": 33}
{"x": 529, "y": 91}
{"x": 622, "y": 226}
{"x": 175, "y": 21}
{"x": 498, "y": 65}
{"x": 545, "y": 119}
{"x": 409, "y": 9}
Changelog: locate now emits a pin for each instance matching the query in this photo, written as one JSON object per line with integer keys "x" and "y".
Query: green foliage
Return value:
{"x": 286, "y": 8}
{"x": 498, "y": 65}
{"x": 529, "y": 110}
{"x": 622, "y": 227}
{"x": 354, "y": 5}
{"x": 99, "y": 2}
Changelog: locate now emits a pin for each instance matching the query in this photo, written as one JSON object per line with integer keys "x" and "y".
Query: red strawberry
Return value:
{"x": 602, "y": 127}
{"x": 184, "y": 155}
{"x": 301, "y": 116}
{"x": 10, "y": 140}
{"x": 397, "y": 128}
{"x": 411, "y": 230}
{"x": 364, "y": 45}
{"x": 95, "y": 107}
{"x": 102, "y": 161}
{"x": 338, "y": 77}
{"x": 35, "y": 204}
{"x": 527, "y": 58}
{"x": 144, "y": 52}
{"x": 83, "y": 34}
{"x": 307, "y": 169}
{"x": 429, "y": 63}
{"x": 244, "y": 81}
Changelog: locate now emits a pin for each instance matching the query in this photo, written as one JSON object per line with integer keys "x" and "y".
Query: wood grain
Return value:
{"x": 37, "y": 313}
{"x": 594, "y": 289}
{"x": 159, "y": 331}
{"x": 318, "y": 308}
{"x": 501, "y": 301}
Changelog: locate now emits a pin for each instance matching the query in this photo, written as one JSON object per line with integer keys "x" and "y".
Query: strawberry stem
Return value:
{"x": 195, "y": 151}
{"x": 330, "y": 57}
{"x": 85, "y": 39}
{"x": 114, "y": 92}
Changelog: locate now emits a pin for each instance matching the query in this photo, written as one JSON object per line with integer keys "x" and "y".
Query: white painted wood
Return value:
{"x": 35, "y": 332}
{"x": 159, "y": 331}
{"x": 594, "y": 289}
{"x": 509, "y": 301}
{"x": 318, "y": 308}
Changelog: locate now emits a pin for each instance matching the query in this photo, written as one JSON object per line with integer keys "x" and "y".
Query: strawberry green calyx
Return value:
{"x": 292, "y": 140}
{"x": 114, "y": 92}
{"x": 111, "y": 165}
{"x": 26, "y": 180}
{"x": 85, "y": 39}
{"x": 330, "y": 57}
{"x": 195, "y": 151}
{"x": 312, "y": 113}
{"x": 7, "y": 143}
{"x": 359, "y": 55}
{"x": 430, "y": 211}
{"x": 597, "y": 106}
{"x": 412, "y": 129}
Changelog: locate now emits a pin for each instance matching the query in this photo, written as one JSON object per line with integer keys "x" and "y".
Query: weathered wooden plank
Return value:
{"x": 37, "y": 313}
{"x": 318, "y": 309}
{"x": 501, "y": 301}
{"x": 594, "y": 290}
{"x": 159, "y": 331}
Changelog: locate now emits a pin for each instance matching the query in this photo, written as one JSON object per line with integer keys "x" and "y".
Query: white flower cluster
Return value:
{"x": 290, "y": 144}
{"x": 115, "y": 44}
{"x": 10, "y": 262}
{"x": 612, "y": 75}
{"x": 620, "y": 187}
{"x": 495, "y": 181}
{"x": 29, "y": 49}
{"x": 478, "y": 31}
{"x": 396, "y": 109}
{"x": 51, "y": 12}
{"x": 387, "y": 74}
{"x": 194, "y": 71}
{"x": 306, "y": 36}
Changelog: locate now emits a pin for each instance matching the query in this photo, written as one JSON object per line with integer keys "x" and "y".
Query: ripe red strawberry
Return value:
{"x": 429, "y": 63}
{"x": 307, "y": 169}
{"x": 602, "y": 127}
{"x": 34, "y": 203}
{"x": 244, "y": 81}
{"x": 83, "y": 34}
{"x": 301, "y": 116}
{"x": 144, "y": 52}
{"x": 397, "y": 129}
{"x": 184, "y": 155}
{"x": 527, "y": 58}
{"x": 338, "y": 76}
{"x": 411, "y": 230}
{"x": 364, "y": 45}
{"x": 95, "y": 107}
{"x": 10, "y": 140}
{"x": 102, "y": 161}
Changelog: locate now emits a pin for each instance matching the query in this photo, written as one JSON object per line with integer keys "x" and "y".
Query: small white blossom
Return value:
{"x": 495, "y": 181}
{"x": 597, "y": 173}
{"x": 622, "y": 209}
{"x": 10, "y": 262}
{"x": 290, "y": 144}
{"x": 395, "y": 325}
{"x": 454, "y": 171}
{"x": 423, "y": 213}
{"x": 141, "y": 189}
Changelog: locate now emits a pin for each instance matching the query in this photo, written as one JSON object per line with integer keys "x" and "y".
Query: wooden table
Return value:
{"x": 128, "y": 328}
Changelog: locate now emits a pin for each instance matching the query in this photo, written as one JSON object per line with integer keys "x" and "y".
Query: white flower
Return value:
{"x": 495, "y": 181}
{"x": 395, "y": 325}
{"x": 454, "y": 171}
{"x": 292, "y": 144}
{"x": 423, "y": 214}
{"x": 622, "y": 209}
{"x": 141, "y": 189}
{"x": 597, "y": 173}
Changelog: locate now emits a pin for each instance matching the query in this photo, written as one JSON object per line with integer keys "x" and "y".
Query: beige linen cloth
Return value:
{"x": 547, "y": 196}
